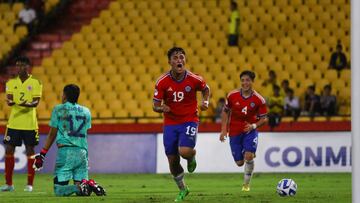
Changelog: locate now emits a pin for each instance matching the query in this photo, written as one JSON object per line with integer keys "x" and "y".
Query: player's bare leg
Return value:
{"x": 178, "y": 173}
{"x": 31, "y": 172}
{"x": 9, "y": 168}
{"x": 188, "y": 153}
{"x": 248, "y": 170}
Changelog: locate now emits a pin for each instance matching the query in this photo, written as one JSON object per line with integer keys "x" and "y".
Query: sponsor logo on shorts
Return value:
{"x": 7, "y": 138}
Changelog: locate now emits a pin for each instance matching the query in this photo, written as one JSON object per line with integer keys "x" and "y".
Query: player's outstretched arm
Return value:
{"x": 40, "y": 157}
{"x": 205, "y": 98}
{"x": 224, "y": 124}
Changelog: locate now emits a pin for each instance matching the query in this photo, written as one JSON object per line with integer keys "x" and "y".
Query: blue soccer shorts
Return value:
{"x": 71, "y": 163}
{"x": 182, "y": 135}
{"x": 245, "y": 142}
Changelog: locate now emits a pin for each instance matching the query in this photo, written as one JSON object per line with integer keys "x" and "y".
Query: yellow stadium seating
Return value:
{"x": 131, "y": 38}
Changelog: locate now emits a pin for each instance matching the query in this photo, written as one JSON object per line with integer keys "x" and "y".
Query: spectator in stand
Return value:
{"x": 284, "y": 87}
{"x": 218, "y": 109}
{"x": 291, "y": 104}
{"x": 234, "y": 25}
{"x": 39, "y": 7}
{"x": 26, "y": 17}
{"x": 276, "y": 104}
{"x": 269, "y": 83}
{"x": 328, "y": 102}
{"x": 312, "y": 102}
{"x": 338, "y": 59}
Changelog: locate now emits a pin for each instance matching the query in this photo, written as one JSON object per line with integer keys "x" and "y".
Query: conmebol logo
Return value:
{"x": 321, "y": 156}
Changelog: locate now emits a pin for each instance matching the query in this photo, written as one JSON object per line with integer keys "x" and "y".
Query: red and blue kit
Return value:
{"x": 244, "y": 110}
{"x": 181, "y": 123}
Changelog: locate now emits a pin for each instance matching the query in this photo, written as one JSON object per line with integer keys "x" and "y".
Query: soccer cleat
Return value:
{"x": 84, "y": 188}
{"x": 96, "y": 188}
{"x": 182, "y": 194}
{"x": 191, "y": 166}
{"x": 245, "y": 188}
{"x": 28, "y": 188}
{"x": 7, "y": 188}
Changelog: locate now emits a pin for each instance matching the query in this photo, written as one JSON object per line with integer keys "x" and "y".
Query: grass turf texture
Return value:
{"x": 316, "y": 187}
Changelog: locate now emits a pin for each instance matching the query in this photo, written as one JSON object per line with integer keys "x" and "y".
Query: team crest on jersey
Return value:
{"x": 252, "y": 104}
{"x": 29, "y": 87}
{"x": 187, "y": 89}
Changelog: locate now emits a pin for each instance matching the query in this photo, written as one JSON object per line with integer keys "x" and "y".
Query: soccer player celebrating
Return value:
{"x": 175, "y": 96}
{"x": 245, "y": 111}
{"x": 23, "y": 95}
{"x": 69, "y": 123}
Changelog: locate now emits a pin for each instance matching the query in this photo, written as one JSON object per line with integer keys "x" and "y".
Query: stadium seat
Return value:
{"x": 298, "y": 36}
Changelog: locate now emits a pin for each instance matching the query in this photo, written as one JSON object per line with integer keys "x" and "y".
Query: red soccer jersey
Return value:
{"x": 180, "y": 96}
{"x": 244, "y": 110}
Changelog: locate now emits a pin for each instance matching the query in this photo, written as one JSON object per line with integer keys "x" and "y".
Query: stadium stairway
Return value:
{"x": 77, "y": 14}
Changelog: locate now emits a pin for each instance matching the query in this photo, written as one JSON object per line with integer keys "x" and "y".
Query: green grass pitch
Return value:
{"x": 315, "y": 187}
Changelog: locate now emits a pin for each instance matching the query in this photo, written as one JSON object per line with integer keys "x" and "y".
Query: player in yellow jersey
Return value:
{"x": 23, "y": 95}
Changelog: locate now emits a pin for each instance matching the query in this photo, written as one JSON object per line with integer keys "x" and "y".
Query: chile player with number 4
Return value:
{"x": 69, "y": 123}
{"x": 244, "y": 111}
{"x": 175, "y": 96}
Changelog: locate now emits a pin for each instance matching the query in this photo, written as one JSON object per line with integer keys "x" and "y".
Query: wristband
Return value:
{"x": 44, "y": 151}
{"x": 254, "y": 126}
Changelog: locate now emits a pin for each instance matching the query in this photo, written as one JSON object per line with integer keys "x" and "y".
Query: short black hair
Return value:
{"x": 289, "y": 90}
{"x": 174, "y": 50}
{"x": 311, "y": 87}
{"x": 276, "y": 87}
{"x": 328, "y": 86}
{"x": 285, "y": 81}
{"x": 72, "y": 93}
{"x": 23, "y": 60}
{"x": 248, "y": 73}
{"x": 234, "y": 4}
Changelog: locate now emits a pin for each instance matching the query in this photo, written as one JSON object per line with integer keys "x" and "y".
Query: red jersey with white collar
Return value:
{"x": 180, "y": 96}
{"x": 244, "y": 110}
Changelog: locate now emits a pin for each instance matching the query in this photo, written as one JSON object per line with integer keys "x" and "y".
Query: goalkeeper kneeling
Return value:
{"x": 68, "y": 127}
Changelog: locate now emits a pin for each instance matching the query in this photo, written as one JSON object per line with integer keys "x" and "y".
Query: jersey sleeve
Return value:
{"x": 227, "y": 106}
{"x": 201, "y": 84}
{"x": 158, "y": 92}
{"x": 38, "y": 89}
{"x": 88, "y": 123}
{"x": 262, "y": 112}
{"x": 54, "y": 121}
{"x": 9, "y": 89}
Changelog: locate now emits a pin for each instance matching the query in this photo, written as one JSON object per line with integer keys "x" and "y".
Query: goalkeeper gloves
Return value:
{"x": 39, "y": 160}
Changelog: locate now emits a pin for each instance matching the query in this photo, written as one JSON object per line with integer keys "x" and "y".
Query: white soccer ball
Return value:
{"x": 286, "y": 187}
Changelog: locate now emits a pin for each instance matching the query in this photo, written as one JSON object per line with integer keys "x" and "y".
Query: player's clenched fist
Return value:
{"x": 165, "y": 108}
{"x": 223, "y": 136}
{"x": 204, "y": 105}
